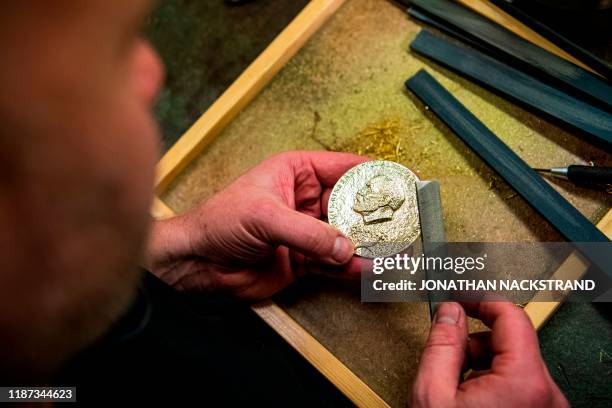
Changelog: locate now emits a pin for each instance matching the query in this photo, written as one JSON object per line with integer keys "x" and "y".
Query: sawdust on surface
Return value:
{"x": 344, "y": 91}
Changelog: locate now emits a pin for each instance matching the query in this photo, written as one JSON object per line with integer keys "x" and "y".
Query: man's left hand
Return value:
{"x": 260, "y": 233}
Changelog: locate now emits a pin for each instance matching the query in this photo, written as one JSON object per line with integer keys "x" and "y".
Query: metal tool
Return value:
{"x": 432, "y": 230}
{"x": 578, "y": 174}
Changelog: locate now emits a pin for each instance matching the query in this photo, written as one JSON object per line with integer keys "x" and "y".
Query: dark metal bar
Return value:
{"x": 516, "y": 85}
{"x": 565, "y": 43}
{"x": 540, "y": 195}
{"x": 503, "y": 43}
{"x": 432, "y": 232}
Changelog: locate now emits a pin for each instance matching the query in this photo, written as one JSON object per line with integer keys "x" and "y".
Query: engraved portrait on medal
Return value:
{"x": 375, "y": 205}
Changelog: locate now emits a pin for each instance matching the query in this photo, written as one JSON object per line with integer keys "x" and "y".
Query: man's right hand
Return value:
{"x": 511, "y": 372}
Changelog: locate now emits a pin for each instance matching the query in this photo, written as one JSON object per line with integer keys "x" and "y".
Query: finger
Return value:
{"x": 513, "y": 339}
{"x": 330, "y": 166}
{"x": 352, "y": 270}
{"x": 270, "y": 277}
{"x": 479, "y": 351}
{"x": 307, "y": 235}
{"x": 440, "y": 367}
{"x": 325, "y": 201}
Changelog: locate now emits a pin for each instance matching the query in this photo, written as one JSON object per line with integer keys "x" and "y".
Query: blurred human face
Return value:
{"x": 78, "y": 146}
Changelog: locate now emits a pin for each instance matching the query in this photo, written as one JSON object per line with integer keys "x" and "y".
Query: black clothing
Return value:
{"x": 173, "y": 348}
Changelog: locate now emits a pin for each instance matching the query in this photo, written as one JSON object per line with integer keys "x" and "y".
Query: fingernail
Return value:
{"x": 448, "y": 313}
{"x": 343, "y": 250}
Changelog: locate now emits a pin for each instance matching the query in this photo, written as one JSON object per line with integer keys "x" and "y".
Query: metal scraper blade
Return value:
{"x": 432, "y": 226}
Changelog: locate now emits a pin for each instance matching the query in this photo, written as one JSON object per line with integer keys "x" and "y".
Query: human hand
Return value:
{"x": 512, "y": 372}
{"x": 260, "y": 233}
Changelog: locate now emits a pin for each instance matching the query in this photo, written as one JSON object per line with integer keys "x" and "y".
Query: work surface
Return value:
{"x": 345, "y": 89}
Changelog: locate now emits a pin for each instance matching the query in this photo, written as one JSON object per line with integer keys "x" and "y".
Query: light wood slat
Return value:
{"x": 494, "y": 13}
{"x": 332, "y": 368}
{"x": 244, "y": 89}
{"x": 573, "y": 267}
{"x": 159, "y": 209}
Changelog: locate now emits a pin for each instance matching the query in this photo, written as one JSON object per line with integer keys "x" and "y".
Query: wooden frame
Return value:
{"x": 572, "y": 268}
{"x": 244, "y": 89}
{"x": 233, "y": 100}
{"x": 208, "y": 126}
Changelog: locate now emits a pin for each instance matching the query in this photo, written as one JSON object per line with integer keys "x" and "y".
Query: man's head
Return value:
{"x": 378, "y": 200}
{"x": 78, "y": 147}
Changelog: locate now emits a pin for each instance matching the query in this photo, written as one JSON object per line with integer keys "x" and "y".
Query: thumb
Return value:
{"x": 309, "y": 236}
{"x": 440, "y": 367}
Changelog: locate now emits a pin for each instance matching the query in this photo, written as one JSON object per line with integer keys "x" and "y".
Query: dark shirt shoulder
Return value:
{"x": 171, "y": 348}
